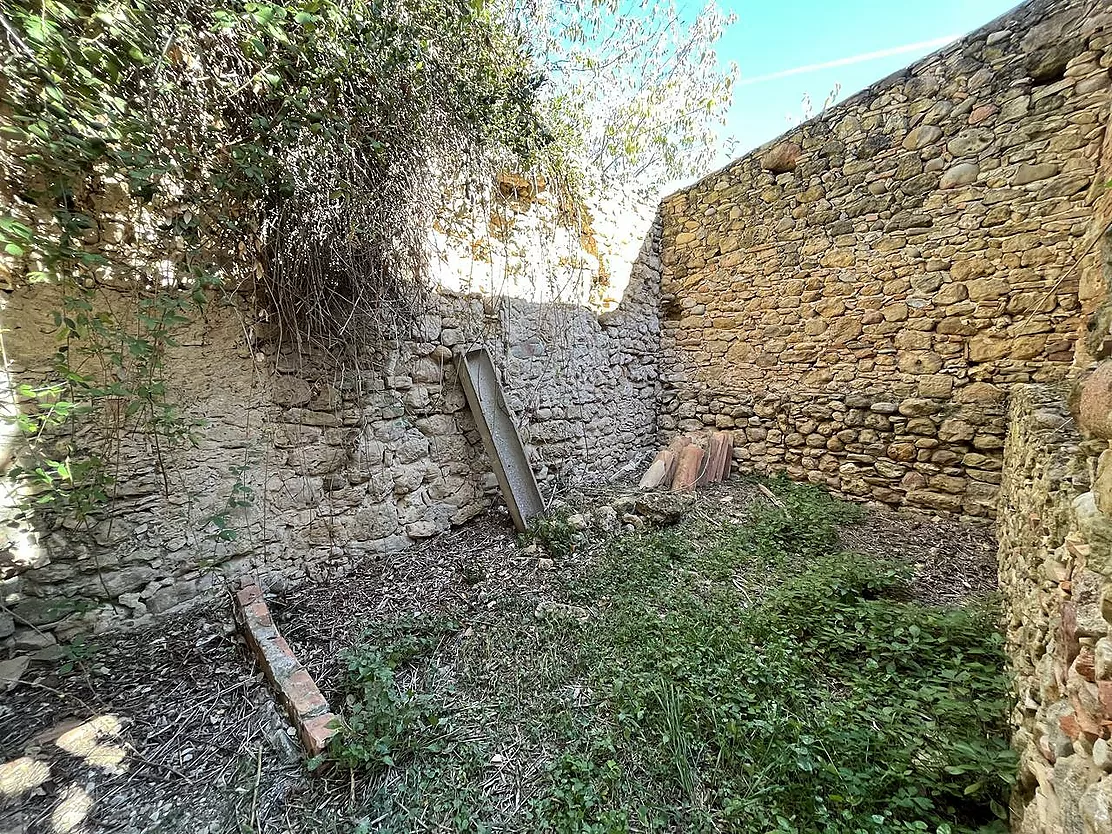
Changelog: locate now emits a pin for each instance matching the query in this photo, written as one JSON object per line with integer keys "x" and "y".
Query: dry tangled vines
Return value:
{"x": 321, "y": 136}
{"x": 295, "y": 152}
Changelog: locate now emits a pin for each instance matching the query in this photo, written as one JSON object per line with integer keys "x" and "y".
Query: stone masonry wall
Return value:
{"x": 1055, "y": 532}
{"x": 856, "y": 298}
{"x": 332, "y": 465}
{"x": 1054, "y": 526}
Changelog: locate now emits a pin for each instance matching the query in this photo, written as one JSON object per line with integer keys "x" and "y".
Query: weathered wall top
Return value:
{"x": 1037, "y": 38}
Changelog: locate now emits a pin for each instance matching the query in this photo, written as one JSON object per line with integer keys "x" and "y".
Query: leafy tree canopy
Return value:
{"x": 636, "y": 88}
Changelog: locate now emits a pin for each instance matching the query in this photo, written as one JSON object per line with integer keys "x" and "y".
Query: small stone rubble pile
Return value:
{"x": 570, "y": 526}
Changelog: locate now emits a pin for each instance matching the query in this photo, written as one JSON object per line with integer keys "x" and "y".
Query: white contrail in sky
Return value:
{"x": 855, "y": 59}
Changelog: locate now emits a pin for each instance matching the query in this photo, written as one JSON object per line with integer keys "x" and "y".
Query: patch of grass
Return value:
{"x": 386, "y": 719}
{"x": 802, "y": 527}
{"x": 747, "y": 678}
{"x": 552, "y": 533}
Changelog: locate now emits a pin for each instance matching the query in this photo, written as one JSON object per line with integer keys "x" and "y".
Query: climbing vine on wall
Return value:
{"x": 160, "y": 155}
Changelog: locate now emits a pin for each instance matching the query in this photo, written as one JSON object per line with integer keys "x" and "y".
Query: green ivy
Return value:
{"x": 384, "y": 722}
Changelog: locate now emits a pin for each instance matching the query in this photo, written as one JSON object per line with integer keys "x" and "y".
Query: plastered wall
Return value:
{"x": 303, "y": 466}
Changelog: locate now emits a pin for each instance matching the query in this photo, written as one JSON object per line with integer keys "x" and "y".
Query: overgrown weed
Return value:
{"x": 385, "y": 719}
{"x": 830, "y": 703}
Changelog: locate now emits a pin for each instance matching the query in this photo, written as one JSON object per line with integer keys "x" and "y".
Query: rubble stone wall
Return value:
{"x": 311, "y": 468}
{"x": 856, "y": 299}
{"x": 1055, "y": 533}
{"x": 1054, "y": 526}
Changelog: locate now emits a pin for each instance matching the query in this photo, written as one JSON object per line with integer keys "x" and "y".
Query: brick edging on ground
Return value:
{"x": 306, "y": 707}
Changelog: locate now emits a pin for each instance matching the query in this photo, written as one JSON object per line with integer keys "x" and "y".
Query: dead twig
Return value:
{"x": 769, "y": 495}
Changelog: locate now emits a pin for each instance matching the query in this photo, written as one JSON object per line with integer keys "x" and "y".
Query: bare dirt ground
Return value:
{"x": 171, "y": 728}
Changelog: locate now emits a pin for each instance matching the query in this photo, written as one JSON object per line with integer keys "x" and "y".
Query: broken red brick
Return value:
{"x": 1085, "y": 664}
{"x": 280, "y": 644}
{"x": 302, "y": 695}
{"x": 1070, "y": 726}
{"x": 1067, "y": 633}
{"x": 316, "y": 732}
{"x": 1088, "y": 724}
{"x": 1105, "y": 690}
{"x": 259, "y": 613}
{"x": 249, "y": 594}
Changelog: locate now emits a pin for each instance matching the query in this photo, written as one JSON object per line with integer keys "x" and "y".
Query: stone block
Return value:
{"x": 426, "y": 328}
{"x": 919, "y": 362}
{"x": 317, "y": 460}
{"x": 172, "y": 596}
{"x": 1102, "y": 659}
{"x": 437, "y": 425}
{"x": 306, "y": 417}
{"x": 289, "y": 391}
{"x": 888, "y": 469}
{"x": 118, "y": 582}
{"x": 1064, "y": 186}
{"x": 921, "y": 136}
{"x": 1094, "y": 402}
{"x": 971, "y": 142}
{"x": 936, "y": 386}
{"x": 987, "y": 289}
{"x": 1096, "y": 806}
{"x": 782, "y": 158}
{"x": 421, "y": 529}
{"x": 981, "y": 392}
{"x": 915, "y": 407}
{"x": 934, "y": 500}
{"x": 374, "y": 522}
{"x": 40, "y": 612}
{"x": 988, "y": 348}
{"x": 1102, "y": 484}
{"x": 964, "y": 173}
{"x": 956, "y": 430}
{"x": 1102, "y": 758}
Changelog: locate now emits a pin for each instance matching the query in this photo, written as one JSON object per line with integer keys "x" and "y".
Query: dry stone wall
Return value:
{"x": 856, "y": 299}
{"x": 1055, "y": 532}
{"x": 309, "y": 468}
{"x": 892, "y": 300}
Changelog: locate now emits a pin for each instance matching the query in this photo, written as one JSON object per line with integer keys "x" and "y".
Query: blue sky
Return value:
{"x": 773, "y": 36}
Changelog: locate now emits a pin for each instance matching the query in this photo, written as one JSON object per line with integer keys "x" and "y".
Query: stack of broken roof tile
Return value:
{"x": 690, "y": 461}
